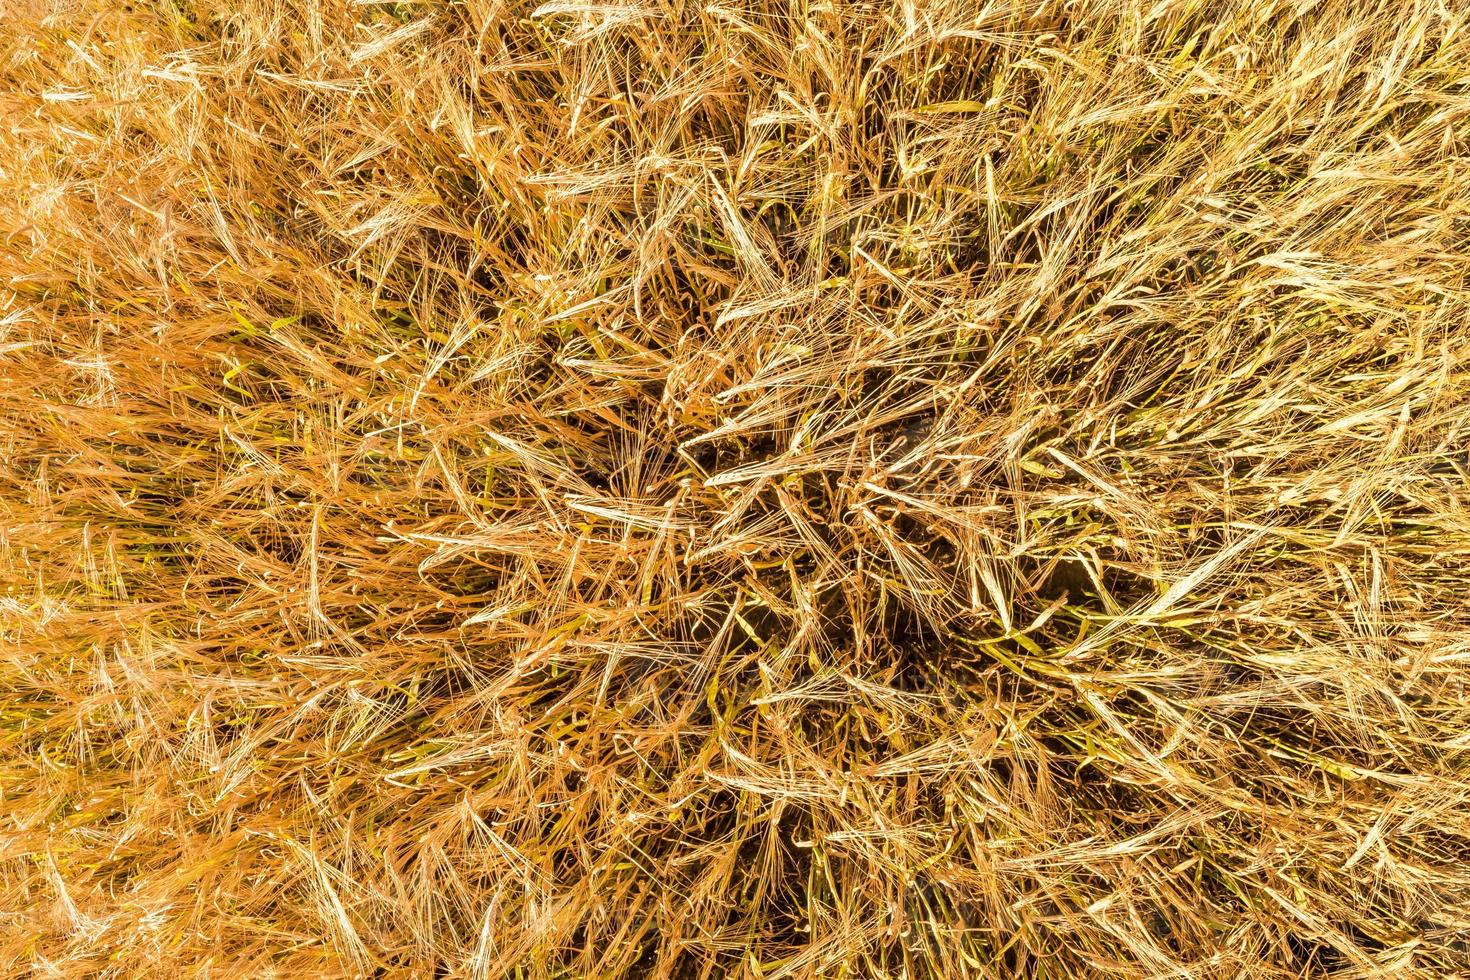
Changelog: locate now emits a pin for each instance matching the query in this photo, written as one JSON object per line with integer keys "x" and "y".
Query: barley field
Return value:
{"x": 740, "y": 488}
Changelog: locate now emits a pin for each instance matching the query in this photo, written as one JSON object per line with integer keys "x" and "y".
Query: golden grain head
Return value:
{"x": 850, "y": 488}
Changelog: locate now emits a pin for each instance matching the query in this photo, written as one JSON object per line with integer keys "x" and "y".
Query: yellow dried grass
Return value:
{"x": 845, "y": 489}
